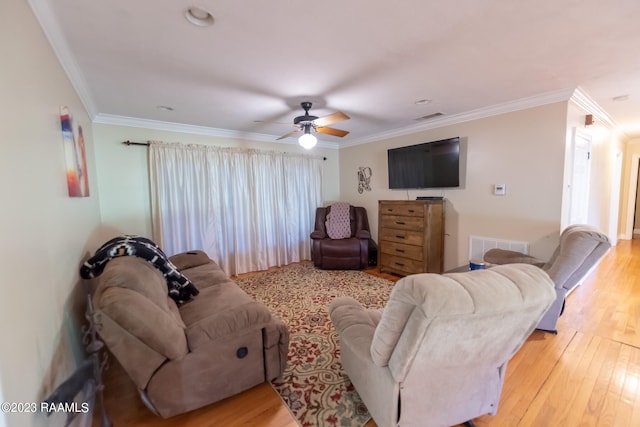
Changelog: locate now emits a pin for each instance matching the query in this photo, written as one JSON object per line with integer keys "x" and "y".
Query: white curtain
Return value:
{"x": 247, "y": 209}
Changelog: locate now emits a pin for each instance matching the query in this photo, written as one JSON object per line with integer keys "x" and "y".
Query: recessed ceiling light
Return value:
{"x": 423, "y": 101}
{"x": 199, "y": 17}
{"x": 621, "y": 98}
{"x": 164, "y": 108}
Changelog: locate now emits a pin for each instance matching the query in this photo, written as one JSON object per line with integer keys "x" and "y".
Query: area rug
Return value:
{"x": 314, "y": 385}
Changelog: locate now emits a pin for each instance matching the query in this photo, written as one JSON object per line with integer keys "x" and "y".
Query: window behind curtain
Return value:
{"x": 247, "y": 209}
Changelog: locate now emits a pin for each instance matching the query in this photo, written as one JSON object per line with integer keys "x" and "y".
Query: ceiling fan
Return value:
{"x": 308, "y": 123}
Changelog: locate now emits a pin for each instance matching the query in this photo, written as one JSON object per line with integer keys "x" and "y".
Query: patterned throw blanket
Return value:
{"x": 338, "y": 223}
{"x": 180, "y": 288}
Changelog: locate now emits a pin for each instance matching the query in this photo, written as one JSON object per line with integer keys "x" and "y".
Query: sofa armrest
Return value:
{"x": 158, "y": 328}
{"x": 139, "y": 360}
{"x": 356, "y": 327}
{"x": 189, "y": 259}
{"x": 346, "y": 312}
{"x": 318, "y": 234}
{"x": 503, "y": 256}
{"x": 363, "y": 234}
{"x": 276, "y": 348}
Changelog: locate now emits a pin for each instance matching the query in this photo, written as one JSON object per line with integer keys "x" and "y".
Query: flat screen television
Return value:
{"x": 430, "y": 165}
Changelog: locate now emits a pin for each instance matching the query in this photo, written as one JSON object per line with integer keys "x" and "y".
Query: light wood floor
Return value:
{"x": 587, "y": 375}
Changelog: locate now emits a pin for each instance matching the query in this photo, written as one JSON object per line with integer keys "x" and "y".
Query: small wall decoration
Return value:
{"x": 75, "y": 156}
{"x": 364, "y": 179}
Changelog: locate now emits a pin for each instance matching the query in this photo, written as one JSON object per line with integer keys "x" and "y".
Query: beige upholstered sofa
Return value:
{"x": 437, "y": 354}
{"x": 181, "y": 358}
{"x": 580, "y": 249}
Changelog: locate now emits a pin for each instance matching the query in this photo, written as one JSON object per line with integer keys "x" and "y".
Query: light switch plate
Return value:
{"x": 499, "y": 189}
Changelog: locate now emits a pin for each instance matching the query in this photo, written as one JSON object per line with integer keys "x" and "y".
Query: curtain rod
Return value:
{"x": 127, "y": 142}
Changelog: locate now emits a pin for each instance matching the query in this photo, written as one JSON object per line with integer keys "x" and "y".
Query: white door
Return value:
{"x": 615, "y": 200}
{"x": 581, "y": 168}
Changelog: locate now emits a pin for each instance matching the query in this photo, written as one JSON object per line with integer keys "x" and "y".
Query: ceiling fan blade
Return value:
{"x": 293, "y": 132}
{"x": 330, "y": 119}
{"x": 332, "y": 131}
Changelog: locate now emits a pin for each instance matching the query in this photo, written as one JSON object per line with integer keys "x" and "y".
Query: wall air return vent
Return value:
{"x": 430, "y": 116}
{"x": 479, "y": 245}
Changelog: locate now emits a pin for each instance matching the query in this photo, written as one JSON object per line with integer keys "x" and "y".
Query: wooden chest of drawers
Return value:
{"x": 411, "y": 236}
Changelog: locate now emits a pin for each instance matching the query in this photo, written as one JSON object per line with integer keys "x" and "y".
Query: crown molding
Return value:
{"x": 45, "y": 17}
{"x": 584, "y": 101}
{"x": 110, "y": 119}
{"x": 578, "y": 96}
{"x": 480, "y": 113}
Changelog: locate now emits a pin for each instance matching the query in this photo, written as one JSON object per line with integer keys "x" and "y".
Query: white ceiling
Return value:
{"x": 368, "y": 58}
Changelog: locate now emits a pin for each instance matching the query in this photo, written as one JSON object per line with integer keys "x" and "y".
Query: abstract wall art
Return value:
{"x": 75, "y": 156}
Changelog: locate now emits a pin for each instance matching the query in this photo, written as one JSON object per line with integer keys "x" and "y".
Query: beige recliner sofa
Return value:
{"x": 580, "y": 249}
{"x": 184, "y": 357}
{"x": 437, "y": 354}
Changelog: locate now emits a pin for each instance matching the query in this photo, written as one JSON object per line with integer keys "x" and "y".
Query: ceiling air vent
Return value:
{"x": 430, "y": 116}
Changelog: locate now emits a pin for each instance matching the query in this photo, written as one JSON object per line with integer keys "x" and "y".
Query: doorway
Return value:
{"x": 631, "y": 197}
{"x": 580, "y": 177}
{"x": 635, "y": 232}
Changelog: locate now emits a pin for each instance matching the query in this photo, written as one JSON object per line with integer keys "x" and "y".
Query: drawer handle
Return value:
{"x": 400, "y": 222}
{"x": 400, "y": 237}
{"x": 411, "y": 211}
{"x": 400, "y": 250}
{"x": 400, "y": 264}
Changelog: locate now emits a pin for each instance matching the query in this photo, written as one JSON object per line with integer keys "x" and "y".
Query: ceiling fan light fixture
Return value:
{"x": 306, "y": 123}
{"x": 307, "y": 140}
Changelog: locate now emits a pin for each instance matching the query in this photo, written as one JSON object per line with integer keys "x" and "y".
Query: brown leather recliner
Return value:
{"x": 341, "y": 254}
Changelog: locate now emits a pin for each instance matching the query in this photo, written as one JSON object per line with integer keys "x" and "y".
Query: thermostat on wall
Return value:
{"x": 499, "y": 189}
